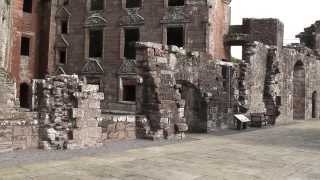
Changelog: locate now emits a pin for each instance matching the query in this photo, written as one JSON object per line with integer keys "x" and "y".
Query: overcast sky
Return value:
{"x": 295, "y": 14}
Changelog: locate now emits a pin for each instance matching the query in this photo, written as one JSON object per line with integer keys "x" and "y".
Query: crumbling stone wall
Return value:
{"x": 18, "y": 130}
{"x": 288, "y": 59}
{"x": 268, "y": 78}
{"x": 118, "y": 127}
{"x": 5, "y": 25}
{"x": 253, "y": 71}
{"x": 69, "y": 112}
{"x": 204, "y": 22}
{"x": 166, "y": 75}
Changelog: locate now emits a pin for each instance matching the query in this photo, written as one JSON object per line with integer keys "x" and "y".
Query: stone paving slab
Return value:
{"x": 287, "y": 152}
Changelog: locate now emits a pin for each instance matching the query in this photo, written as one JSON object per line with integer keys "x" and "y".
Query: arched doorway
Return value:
{"x": 195, "y": 108}
{"x": 299, "y": 100}
{"x": 24, "y": 95}
{"x": 314, "y": 104}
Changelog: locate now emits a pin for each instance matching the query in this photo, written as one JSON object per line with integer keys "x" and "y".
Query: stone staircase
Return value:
{"x": 6, "y": 146}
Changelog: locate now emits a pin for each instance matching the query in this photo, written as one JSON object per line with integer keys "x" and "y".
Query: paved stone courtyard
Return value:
{"x": 286, "y": 152}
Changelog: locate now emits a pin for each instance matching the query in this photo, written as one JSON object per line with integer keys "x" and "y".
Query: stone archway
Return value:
{"x": 195, "y": 107}
{"x": 299, "y": 94}
{"x": 314, "y": 104}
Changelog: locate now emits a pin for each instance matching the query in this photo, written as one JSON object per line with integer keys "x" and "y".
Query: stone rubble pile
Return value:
{"x": 69, "y": 112}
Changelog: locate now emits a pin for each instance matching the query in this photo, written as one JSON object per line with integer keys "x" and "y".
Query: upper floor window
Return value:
{"x": 25, "y": 46}
{"x": 133, "y": 3}
{"x": 131, "y": 36}
{"x": 27, "y": 6}
{"x": 97, "y": 5}
{"x": 95, "y": 43}
{"x": 64, "y": 27}
{"x": 66, "y": 2}
{"x": 62, "y": 56}
{"x": 175, "y": 2}
{"x": 175, "y": 36}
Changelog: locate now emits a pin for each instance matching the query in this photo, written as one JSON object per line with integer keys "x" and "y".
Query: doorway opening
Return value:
{"x": 299, "y": 94}
{"x": 314, "y": 104}
{"x": 24, "y": 95}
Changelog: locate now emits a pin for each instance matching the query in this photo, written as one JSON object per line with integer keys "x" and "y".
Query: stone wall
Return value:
{"x": 118, "y": 127}
{"x": 69, "y": 112}
{"x": 5, "y": 35}
{"x": 278, "y": 81}
{"x": 289, "y": 58}
{"x": 204, "y": 22}
{"x": 18, "y": 131}
{"x": 181, "y": 90}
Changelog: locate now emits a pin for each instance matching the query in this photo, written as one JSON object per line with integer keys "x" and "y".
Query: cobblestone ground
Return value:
{"x": 288, "y": 152}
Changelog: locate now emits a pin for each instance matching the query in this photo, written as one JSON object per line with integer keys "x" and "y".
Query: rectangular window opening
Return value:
{"x": 25, "y": 46}
{"x": 131, "y": 37}
{"x": 64, "y": 27}
{"x": 175, "y": 36}
{"x": 27, "y": 6}
{"x": 62, "y": 56}
{"x": 97, "y": 5}
{"x": 128, "y": 90}
{"x": 236, "y": 54}
{"x": 133, "y": 3}
{"x": 176, "y": 3}
{"x": 66, "y": 2}
{"x": 95, "y": 43}
{"x": 95, "y": 81}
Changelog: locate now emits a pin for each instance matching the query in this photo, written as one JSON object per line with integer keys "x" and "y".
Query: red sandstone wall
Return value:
{"x": 221, "y": 22}
{"x": 25, "y": 24}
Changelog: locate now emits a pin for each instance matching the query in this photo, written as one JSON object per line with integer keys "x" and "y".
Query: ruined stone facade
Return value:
{"x": 180, "y": 90}
{"x": 144, "y": 69}
{"x": 281, "y": 80}
{"x": 198, "y": 25}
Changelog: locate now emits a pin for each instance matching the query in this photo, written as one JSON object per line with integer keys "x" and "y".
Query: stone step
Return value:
{"x": 6, "y": 147}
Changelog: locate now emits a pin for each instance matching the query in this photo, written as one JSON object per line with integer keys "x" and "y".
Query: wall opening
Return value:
{"x": 195, "y": 108}
{"x": 128, "y": 90}
{"x": 175, "y": 36}
{"x": 25, "y": 46}
{"x": 94, "y": 80}
{"x": 314, "y": 104}
{"x": 62, "y": 56}
{"x": 24, "y": 95}
{"x": 95, "y": 43}
{"x": 133, "y": 3}
{"x": 131, "y": 37}
{"x": 27, "y": 6}
{"x": 299, "y": 100}
{"x": 176, "y": 3}
{"x": 236, "y": 53}
{"x": 97, "y": 5}
{"x": 64, "y": 27}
